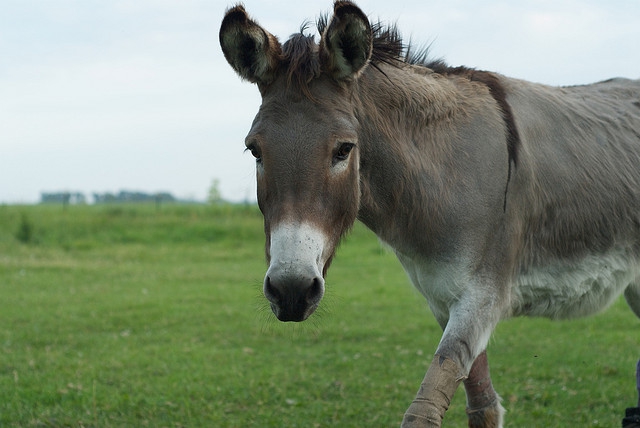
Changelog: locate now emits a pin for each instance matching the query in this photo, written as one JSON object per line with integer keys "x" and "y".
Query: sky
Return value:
{"x": 109, "y": 95}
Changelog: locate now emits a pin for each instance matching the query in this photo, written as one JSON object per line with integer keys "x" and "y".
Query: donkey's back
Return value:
{"x": 576, "y": 196}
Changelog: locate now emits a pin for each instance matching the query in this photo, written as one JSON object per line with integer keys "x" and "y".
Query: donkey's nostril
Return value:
{"x": 272, "y": 293}
{"x": 315, "y": 291}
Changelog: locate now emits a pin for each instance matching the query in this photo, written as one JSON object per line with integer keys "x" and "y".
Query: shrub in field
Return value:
{"x": 24, "y": 233}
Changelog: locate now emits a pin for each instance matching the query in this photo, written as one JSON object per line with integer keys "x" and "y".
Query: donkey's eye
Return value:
{"x": 343, "y": 152}
{"x": 255, "y": 152}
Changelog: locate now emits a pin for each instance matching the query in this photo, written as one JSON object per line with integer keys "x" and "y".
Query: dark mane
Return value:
{"x": 300, "y": 52}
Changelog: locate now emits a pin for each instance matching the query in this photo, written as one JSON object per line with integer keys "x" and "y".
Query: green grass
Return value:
{"x": 129, "y": 316}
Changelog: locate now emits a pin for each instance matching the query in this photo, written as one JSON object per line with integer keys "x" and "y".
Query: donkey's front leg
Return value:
{"x": 435, "y": 394}
{"x": 470, "y": 324}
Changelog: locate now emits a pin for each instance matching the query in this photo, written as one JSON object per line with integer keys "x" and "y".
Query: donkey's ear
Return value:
{"x": 253, "y": 52}
{"x": 347, "y": 42}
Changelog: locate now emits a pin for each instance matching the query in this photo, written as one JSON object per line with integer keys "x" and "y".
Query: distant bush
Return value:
{"x": 24, "y": 233}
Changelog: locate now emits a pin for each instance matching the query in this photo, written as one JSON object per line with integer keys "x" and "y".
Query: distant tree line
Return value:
{"x": 125, "y": 196}
{"x": 76, "y": 198}
{"x": 64, "y": 198}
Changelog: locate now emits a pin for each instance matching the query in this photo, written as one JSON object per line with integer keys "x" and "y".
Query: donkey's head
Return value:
{"x": 305, "y": 141}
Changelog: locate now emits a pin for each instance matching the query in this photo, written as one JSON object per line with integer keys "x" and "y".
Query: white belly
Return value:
{"x": 574, "y": 289}
{"x": 557, "y": 291}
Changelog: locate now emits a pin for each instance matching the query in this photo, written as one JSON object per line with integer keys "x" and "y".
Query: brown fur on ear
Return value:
{"x": 253, "y": 52}
{"x": 347, "y": 42}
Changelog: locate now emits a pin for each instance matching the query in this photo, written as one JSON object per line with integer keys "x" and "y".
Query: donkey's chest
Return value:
{"x": 440, "y": 283}
{"x": 573, "y": 289}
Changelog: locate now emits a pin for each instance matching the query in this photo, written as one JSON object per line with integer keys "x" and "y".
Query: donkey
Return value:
{"x": 500, "y": 197}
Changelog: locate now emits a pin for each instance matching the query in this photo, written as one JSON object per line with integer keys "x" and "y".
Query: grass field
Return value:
{"x": 133, "y": 316}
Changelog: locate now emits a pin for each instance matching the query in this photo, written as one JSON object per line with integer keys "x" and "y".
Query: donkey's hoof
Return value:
{"x": 632, "y": 418}
{"x": 487, "y": 417}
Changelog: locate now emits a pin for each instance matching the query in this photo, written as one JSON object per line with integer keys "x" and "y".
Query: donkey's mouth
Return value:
{"x": 292, "y": 314}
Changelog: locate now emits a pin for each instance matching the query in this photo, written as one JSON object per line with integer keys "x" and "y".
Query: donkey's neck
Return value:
{"x": 409, "y": 95}
{"x": 404, "y": 116}
{"x": 411, "y": 122}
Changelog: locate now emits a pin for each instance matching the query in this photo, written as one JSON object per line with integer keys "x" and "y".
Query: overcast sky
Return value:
{"x": 98, "y": 96}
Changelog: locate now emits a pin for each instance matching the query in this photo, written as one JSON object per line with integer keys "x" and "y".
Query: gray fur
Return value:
{"x": 500, "y": 197}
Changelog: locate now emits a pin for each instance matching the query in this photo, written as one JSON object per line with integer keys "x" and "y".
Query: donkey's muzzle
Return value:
{"x": 293, "y": 298}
